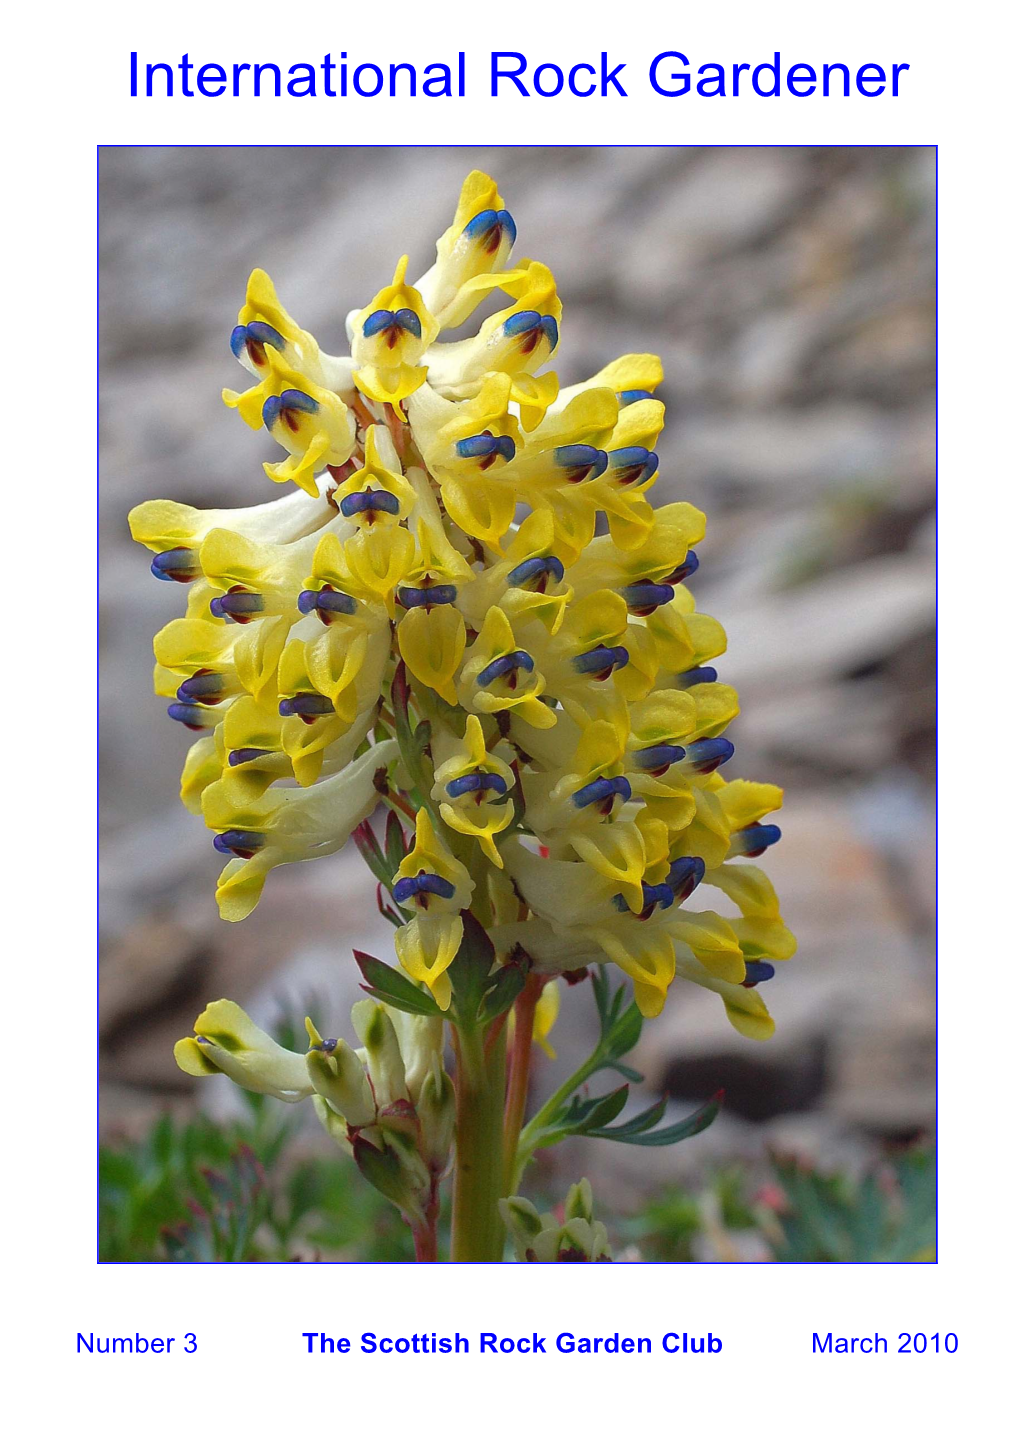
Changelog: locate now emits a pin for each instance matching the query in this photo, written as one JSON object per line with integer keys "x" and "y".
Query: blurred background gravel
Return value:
{"x": 791, "y": 295}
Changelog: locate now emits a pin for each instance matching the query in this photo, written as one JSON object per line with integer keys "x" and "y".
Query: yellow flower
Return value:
{"x": 389, "y": 338}
{"x": 498, "y": 675}
{"x": 228, "y": 1041}
{"x": 477, "y": 244}
{"x": 280, "y": 826}
{"x": 264, "y": 329}
{"x": 472, "y": 788}
{"x": 436, "y": 887}
{"x": 310, "y": 422}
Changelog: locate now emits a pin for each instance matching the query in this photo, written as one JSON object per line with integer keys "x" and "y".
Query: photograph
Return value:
{"x": 517, "y": 822}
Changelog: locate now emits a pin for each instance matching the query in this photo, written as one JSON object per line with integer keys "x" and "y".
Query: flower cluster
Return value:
{"x": 388, "y": 1103}
{"x": 468, "y": 610}
{"x": 543, "y": 1238}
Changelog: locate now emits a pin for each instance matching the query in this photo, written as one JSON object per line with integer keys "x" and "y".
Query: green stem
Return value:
{"x": 531, "y": 1136}
{"x": 478, "y": 1175}
{"x": 520, "y": 1069}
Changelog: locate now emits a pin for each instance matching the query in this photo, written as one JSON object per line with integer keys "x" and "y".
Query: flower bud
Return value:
{"x": 333, "y": 1123}
{"x": 579, "y": 1202}
{"x": 540, "y": 1238}
{"x": 385, "y": 1064}
{"x": 395, "y": 1169}
{"x": 421, "y": 1040}
{"x": 437, "y": 1110}
{"x": 338, "y": 1075}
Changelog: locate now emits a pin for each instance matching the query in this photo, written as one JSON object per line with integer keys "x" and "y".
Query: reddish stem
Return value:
{"x": 402, "y": 805}
{"x": 426, "y": 1247}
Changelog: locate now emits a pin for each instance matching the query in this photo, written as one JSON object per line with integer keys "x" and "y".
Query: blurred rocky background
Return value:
{"x": 791, "y": 294}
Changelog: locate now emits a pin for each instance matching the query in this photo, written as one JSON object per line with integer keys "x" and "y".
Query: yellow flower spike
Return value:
{"x": 389, "y": 338}
{"x": 312, "y": 424}
{"x": 472, "y": 787}
{"x": 228, "y": 1041}
{"x": 437, "y": 888}
{"x": 497, "y": 675}
{"x": 469, "y": 518}
{"x": 432, "y": 641}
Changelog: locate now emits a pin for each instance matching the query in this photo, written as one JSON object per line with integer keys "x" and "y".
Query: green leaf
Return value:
{"x": 688, "y": 1127}
{"x": 630, "y": 1073}
{"x": 396, "y": 843}
{"x": 470, "y": 970}
{"x": 624, "y": 1033}
{"x": 585, "y": 1113}
{"x": 643, "y": 1121}
{"x": 388, "y": 985}
{"x": 503, "y": 994}
{"x": 368, "y": 845}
